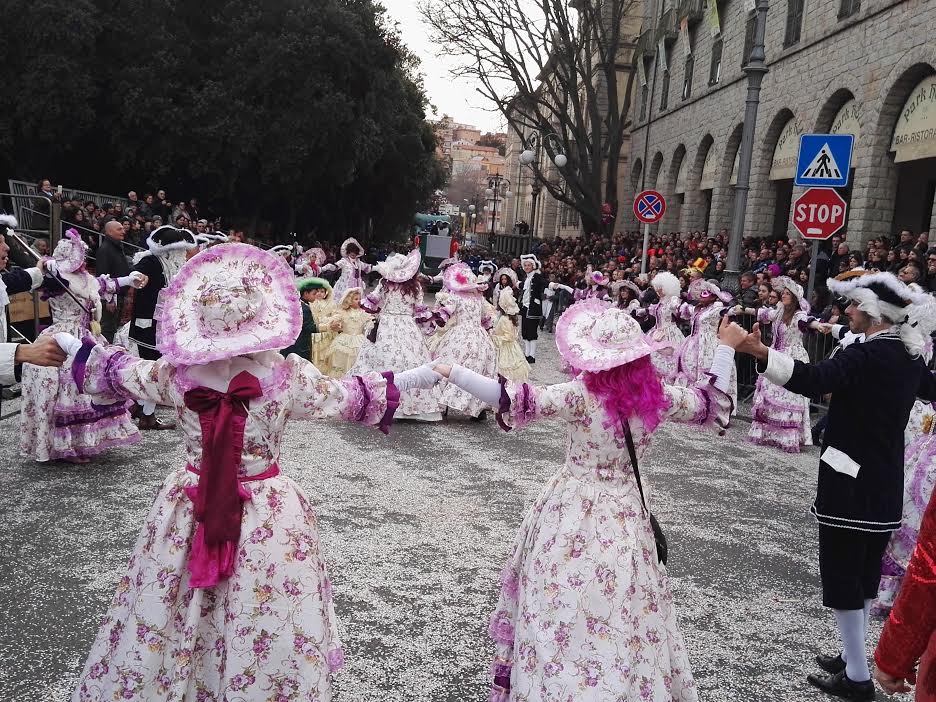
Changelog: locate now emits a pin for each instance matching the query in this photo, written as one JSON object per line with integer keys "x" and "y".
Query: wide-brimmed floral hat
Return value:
{"x": 70, "y": 252}
{"x": 227, "y": 301}
{"x": 593, "y": 335}
{"x": 347, "y": 242}
{"x": 460, "y": 278}
{"x": 700, "y": 289}
{"x": 399, "y": 268}
{"x": 785, "y": 282}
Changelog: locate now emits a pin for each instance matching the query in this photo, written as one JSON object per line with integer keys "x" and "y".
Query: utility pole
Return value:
{"x": 755, "y": 69}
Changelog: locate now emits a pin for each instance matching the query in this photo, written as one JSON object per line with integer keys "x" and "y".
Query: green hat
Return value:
{"x": 304, "y": 284}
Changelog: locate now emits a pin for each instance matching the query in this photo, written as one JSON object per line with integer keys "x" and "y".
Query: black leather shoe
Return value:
{"x": 840, "y": 686}
{"x": 831, "y": 664}
{"x": 481, "y": 417}
{"x": 529, "y": 359}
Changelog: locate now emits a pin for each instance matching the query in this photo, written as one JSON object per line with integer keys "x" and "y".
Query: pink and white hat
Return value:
{"x": 70, "y": 252}
{"x": 700, "y": 289}
{"x": 399, "y": 268}
{"x": 597, "y": 278}
{"x": 460, "y": 278}
{"x": 350, "y": 240}
{"x": 593, "y": 335}
{"x": 785, "y": 282}
{"x": 227, "y": 301}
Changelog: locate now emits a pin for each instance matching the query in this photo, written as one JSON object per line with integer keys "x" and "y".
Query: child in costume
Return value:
{"x": 351, "y": 266}
{"x": 780, "y": 418}
{"x": 665, "y": 333}
{"x": 57, "y": 422}
{"x": 308, "y": 292}
{"x": 467, "y": 341}
{"x": 511, "y": 363}
{"x": 226, "y": 595}
{"x": 585, "y": 610}
{"x": 323, "y": 310}
{"x": 400, "y": 341}
{"x": 351, "y": 322}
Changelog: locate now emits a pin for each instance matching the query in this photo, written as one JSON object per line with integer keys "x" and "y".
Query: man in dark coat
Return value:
{"x": 168, "y": 248}
{"x": 111, "y": 260}
{"x": 531, "y": 304}
{"x": 859, "y": 498}
{"x": 302, "y": 346}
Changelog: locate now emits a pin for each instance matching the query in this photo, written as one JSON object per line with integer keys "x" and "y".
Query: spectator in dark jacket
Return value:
{"x": 748, "y": 294}
{"x": 111, "y": 260}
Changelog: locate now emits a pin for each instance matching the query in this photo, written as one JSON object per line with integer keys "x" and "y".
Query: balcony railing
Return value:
{"x": 692, "y": 10}
{"x": 668, "y": 27}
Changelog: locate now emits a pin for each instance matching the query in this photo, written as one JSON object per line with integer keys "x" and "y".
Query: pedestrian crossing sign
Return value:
{"x": 824, "y": 160}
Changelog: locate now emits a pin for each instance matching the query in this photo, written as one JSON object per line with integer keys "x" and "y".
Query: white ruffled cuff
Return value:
{"x": 779, "y": 367}
{"x": 722, "y": 363}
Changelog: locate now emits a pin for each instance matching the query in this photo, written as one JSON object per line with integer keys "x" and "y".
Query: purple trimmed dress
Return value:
{"x": 780, "y": 418}
{"x": 919, "y": 481}
{"x": 58, "y": 422}
{"x": 698, "y": 350}
{"x": 585, "y": 611}
{"x": 666, "y": 332}
{"x": 269, "y": 631}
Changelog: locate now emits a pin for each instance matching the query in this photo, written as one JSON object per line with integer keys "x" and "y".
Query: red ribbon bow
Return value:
{"x": 223, "y": 418}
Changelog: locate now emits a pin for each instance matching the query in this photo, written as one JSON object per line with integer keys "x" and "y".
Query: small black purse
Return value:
{"x": 659, "y": 537}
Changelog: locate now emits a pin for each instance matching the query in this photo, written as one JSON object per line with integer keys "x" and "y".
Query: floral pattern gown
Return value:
{"x": 269, "y": 631}
{"x": 780, "y": 418}
{"x": 58, "y": 422}
{"x": 919, "y": 481}
{"x": 585, "y": 612}
{"x": 399, "y": 346}
{"x": 468, "y": 343}
{"x": 344, "y": 349}
{"x": 352, "y": 275}
{"x": 667, "y": 337}
{"x": 698, "y": 350}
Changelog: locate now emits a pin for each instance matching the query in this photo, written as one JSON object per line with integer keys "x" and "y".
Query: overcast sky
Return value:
{"x": 457, "y": 98}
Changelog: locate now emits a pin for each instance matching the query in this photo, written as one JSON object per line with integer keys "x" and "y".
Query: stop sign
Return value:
{"x": 819, "y": 213}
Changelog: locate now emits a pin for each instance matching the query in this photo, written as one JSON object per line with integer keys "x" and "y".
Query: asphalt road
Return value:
{"x": 415, "y": 528}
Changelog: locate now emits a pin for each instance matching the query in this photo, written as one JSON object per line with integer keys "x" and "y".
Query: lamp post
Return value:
{"x": 495, "y": 183}
{"x": 755, "y": 69}
{"x": 531, "y": 155}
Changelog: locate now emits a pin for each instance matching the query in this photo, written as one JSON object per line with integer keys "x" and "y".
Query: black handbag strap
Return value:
{"x": 633, "y": 458}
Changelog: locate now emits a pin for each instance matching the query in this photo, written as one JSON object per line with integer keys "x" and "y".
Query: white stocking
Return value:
{"x": 149, "y": 408}
{"x": 851, "y": 628}
{"x": 533, "y": 349}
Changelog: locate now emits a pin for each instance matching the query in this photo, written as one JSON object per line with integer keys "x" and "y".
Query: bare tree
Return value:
{"x": 551, "y": 67}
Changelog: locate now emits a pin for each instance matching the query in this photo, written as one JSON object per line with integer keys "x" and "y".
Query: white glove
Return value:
{"x": 421, "y": 378}
{"x": 136, "y": 279}
{"x": 69, "y": 344}
{"x": 50, "y": 266}
{"x": 553, "y": 285}
{"x": 485, "y": 389}
{"x": 722, "y": 364}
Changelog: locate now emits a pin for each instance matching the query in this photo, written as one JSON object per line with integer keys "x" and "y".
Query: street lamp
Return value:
{"x": 530, "y": 155}
{"x": 755, "y": 70}
{"x": 495, "y": 184}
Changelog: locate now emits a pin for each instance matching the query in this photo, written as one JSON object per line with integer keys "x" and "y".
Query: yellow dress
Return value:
{"x": 343, "y": 351}
{"x": 322, "y": 312}
{"x": 511, "y": 363}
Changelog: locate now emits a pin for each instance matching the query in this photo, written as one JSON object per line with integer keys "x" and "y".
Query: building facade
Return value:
{"x": 862, "y": 67}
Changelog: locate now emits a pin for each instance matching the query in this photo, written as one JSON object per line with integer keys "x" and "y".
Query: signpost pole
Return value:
{"x": 814, "y": 257}
{"x": 646, "y": 245}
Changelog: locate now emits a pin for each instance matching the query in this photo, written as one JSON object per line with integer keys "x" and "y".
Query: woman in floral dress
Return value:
{"x": 352, "y": 324}
{"x": 57, "y": 422}
{"x": 781, "y": 418}
{"x": 695, "y": 355}
{"x": 585, "y": 610}
{"x": 352, "y": 268}
{"x": 400, "y": 341}
{"x": 467, "y": 341}
{"x": 665, "y": 334}
{"x": 226, "y": 595}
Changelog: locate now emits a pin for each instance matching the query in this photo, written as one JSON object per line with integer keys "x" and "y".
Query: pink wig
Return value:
{"x": 632, "y": 389}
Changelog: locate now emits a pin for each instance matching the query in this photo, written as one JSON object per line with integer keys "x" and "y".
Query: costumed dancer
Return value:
{"x": 467, "y": 341}
{"x": 57, "y": 422}
{"x": 399, "y": 342}
{"x": 695, "y": 355}
{"x": 308, "y": 292}
{"x": 309, "y": 263}
{"x": 323, "y": 309}
{"x": 861, "y": 474}
{"x": 486, "y": 273}
{"x": 351, "y": 266}
{"x": 531, "y": 304}
{"x": 627, "y": 297}
{"x": 780, "y": 418}
{"x": 226, "y": 594}
{"x": 919, "y": 476}
{"x": 352, "y": 323}
{"x": 665, "y": 335}
{"x": 585, "y": 609}
{"x": 436, "y": 334}
{"x": 510, "y": 360}
{"x": 597, "y": 287}
{"x": 167, "y": 249}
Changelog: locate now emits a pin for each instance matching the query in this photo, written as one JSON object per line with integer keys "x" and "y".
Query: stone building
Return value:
{"x": 865, "y": 67}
